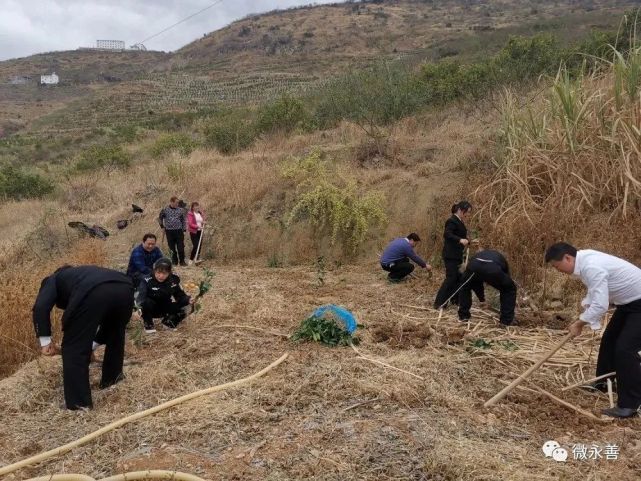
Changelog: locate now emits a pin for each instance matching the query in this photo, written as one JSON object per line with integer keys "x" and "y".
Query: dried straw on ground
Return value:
{"x": 326, "y": 414}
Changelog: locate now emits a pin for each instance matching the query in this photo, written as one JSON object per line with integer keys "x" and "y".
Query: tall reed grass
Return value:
{"x": 570, "y": 167}
{"x": 18, "y": 290}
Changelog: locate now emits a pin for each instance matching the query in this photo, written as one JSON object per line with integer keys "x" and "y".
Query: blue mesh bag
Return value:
{"x": 337, "y": 313}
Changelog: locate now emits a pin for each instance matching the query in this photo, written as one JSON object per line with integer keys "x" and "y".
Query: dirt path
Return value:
{"x": 325, "y": 413}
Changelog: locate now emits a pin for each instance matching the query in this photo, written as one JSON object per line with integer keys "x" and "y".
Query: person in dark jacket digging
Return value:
{"x": 396, "y": 257}
{"x": 160, "y": 295}
{"x": 455, "y": 242}
{"x": 173, "y": 219}
{"x": 142, "y": 258}
{"x": 98, "y": 304}
{"x": 488, "y": 267}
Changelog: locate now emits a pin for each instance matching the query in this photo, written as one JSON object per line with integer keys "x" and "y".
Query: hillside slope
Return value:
{"x": 264, "y": 56}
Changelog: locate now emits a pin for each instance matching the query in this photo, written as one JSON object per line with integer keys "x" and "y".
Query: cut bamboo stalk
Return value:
{"x": 506, "y": 390}
{"x": 588, "y": 381}
{"x": 569, "y": 405}
{"x": 134, "y": 417}
{"x": 384, "y": 364}
{"x": 610, "y": 395}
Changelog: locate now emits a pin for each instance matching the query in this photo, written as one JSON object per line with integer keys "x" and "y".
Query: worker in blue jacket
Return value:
{"x": 396, "y": 257}
{"x": 142, "y": 258}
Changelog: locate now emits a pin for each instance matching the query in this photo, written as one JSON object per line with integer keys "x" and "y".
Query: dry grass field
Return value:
{"x": 556, "y": 159}
{"x": 326, "y": 413}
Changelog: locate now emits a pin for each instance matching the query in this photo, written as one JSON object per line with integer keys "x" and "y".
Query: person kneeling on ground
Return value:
{"x": 609, "y": 279}
{"x": 488, "y": 266}
{"x": 396, "y": 257}
{"x": 98, "y": 303}
{"x": 142, "y": 259}
{"x": 160, "y": 295}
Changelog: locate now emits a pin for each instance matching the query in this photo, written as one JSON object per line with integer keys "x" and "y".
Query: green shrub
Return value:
{"x": 230, "y": 135}
{"x": 380, "y": 95}
{"x": 166, "y": 143}
{"x": 285, "y": 114}
{"x": 18, "y": 184}
{"x": 125, "y": 133}
{"x": 334, "y": 206}
{"x": 103, "y": 156}
{"x": 528, "y": 58}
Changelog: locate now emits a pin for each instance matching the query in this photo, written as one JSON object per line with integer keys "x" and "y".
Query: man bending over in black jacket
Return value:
{"x": 98, "y": 304}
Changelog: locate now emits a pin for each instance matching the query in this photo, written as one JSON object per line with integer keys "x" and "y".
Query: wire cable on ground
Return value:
{"x": 134, "y": 417}
{"x": 133, "y": 476}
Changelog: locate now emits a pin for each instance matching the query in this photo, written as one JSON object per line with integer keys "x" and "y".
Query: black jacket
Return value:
{"x": 494, "y": 256}
{"x": 455, "y": 230}
{"x": 66, "y": 289}
{"x": 161, "y": 292}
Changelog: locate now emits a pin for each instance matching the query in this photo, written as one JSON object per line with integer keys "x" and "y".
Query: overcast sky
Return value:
{"x": 34, "y": 26}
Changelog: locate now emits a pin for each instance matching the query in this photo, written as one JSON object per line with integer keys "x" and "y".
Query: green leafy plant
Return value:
{"x": 205, "y": 284}
{"x": 180, "y": 143}
{"x": 284, "y": 115}
{"x": 320, "y": 271}
{"x": 481, "y": 343}
{"x": 19, "y": 184}
{"x": 103, "y": 156}
{"x": 230, "y": 135}
{"x": 333, "y": 206}
{"x": 274, "y": 261}
{"x": 323, "y": 330}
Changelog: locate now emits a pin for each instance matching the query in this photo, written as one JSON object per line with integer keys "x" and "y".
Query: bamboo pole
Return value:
{"x": 588, "y": 381}
{"x": 134, "y": 417}
{"x": 133, "y": 476}
{"x": 384, "y": 364}
{"x": 569, "y": 405}
{"x": 153, "y": 474}
{"x": 501, "y": 394}
{"x": 610, "y": 396}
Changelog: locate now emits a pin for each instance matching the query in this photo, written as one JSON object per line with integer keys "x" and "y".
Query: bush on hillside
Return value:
{"x": 229, "y": 135}
{"x": 18, "y": 184}
{"x": 180, "y": 143}
{"x": 283, "y": 115}
{"x": 377, "y": 96}
{"x": 103, "y": 156}
{"x": 334, "y": 207}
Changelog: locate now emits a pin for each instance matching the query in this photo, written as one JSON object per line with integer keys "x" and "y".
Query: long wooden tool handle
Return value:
{"x": 527, "y": 373}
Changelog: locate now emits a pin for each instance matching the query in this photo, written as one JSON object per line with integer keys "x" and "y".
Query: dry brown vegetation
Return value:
{"x": 325, "y": 413}
{"x": 18, "y": 289}
{"x": 260, "y": 57}
{"x": 570, "y": 170}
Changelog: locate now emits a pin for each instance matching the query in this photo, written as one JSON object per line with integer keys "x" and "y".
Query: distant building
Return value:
{"x": 110, "y": 44}
{"x": 19, "y": 80}
{"x": 52, "y": 79}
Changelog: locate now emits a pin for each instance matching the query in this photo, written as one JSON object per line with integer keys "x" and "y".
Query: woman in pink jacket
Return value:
{"x": 195, "y": 222}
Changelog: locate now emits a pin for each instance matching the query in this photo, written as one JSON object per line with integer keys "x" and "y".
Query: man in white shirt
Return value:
{"x": 609, "y": 280}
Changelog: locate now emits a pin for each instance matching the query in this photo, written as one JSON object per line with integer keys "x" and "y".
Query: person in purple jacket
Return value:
{"x": 396, "y": 257}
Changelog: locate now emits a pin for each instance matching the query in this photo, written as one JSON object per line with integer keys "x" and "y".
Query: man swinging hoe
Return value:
{"x": 609, "y": 280}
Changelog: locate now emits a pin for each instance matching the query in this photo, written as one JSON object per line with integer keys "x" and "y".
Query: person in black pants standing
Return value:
{"x": 98, "y": 304}
{"x": 455, "y": 242}
{"x": 491, "y": 267}
{"x": 173, "y": 219}
{"x": 609, "y": 280}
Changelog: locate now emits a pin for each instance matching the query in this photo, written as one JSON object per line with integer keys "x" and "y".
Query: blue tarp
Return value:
{"x": 339, "y": 314}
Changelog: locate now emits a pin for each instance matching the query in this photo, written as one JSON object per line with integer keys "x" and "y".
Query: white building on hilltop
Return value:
{"x": 110, "y": 44}
{"x": 52, "y": 79}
